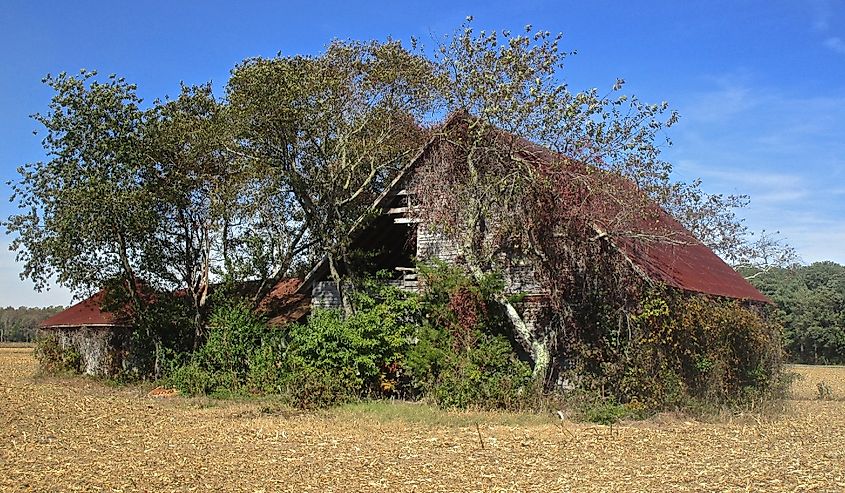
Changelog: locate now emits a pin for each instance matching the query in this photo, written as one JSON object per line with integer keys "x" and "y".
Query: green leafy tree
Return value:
{"x": 331, "y": 130}
{"x": 20, "y": 324}
{"x": 196, "y": 184}
{"x": 85, "y": 216}
{"x": 811, "y": 303}
{"x": 486, "y": 190}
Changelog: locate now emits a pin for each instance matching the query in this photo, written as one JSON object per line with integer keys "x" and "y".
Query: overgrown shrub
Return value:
{"x": 325, "y": 361}
{"x": 233, "y": 356}
{"x": 487, "y": 375}
{"x": 53, "y": 357}
{"x": 360, "y": 355}
{"x": 446, "y": 344}
{"x": 462, "y": 356}
{"x": 682, "y": 350}
{"x": 451, "y": 345}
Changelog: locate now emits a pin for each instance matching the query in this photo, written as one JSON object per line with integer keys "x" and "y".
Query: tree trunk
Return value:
{"x": 344, "y": 300}
{"x": 538, "y": 349}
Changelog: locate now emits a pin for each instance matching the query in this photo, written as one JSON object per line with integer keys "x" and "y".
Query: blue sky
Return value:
{"x": 760, "y": 85}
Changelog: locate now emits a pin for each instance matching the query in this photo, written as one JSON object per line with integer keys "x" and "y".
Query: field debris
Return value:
{"x": 163, "y": 392}
{"x": 75, "y": 434}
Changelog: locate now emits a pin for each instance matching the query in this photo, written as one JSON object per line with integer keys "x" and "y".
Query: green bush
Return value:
{"x": 236, "y": 355}
{"x": 360, "y": 355}
{"x": 308, "y": 387}
{"x": 192, "y": 379}
{"x": 461, "y": 357}
{"x": 682, "y": 351}
{"x": 605, "y": 412}
{"x": 53, "y": 357}
{"x": 327, "y": 360}
{"x": 485, "y": 376}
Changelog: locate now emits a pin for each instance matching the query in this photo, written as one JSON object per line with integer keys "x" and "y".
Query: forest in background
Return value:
{"x": 20, "y": 324}
{"x": 811, "y": 306}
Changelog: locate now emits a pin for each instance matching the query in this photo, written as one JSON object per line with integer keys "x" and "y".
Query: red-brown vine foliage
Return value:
{"x": 470, "y": 310}
{"x": 506, "y": 201}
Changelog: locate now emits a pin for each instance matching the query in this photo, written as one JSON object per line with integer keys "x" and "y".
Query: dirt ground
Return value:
{"x": 74, "y": 434}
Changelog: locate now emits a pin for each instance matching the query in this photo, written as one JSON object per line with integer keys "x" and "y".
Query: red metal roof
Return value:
{"x": 281, "y": 304}
{"x": 87, "y": 312}
{"x": 689, "y": 265}
{"x": 683, "y": 263}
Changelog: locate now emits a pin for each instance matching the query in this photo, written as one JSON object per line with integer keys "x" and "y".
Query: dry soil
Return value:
{"x": 76, "y": 434}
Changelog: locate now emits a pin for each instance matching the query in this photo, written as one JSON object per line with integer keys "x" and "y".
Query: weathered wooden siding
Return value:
{"x": 433, "y": 245}
{"x": 324, "y": 294}
{"x": 520, "y": 278}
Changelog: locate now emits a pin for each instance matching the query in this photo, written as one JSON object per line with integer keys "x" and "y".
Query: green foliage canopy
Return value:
{"x": 811, "y": 302}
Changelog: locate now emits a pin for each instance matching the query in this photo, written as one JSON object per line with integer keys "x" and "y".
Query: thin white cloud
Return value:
{"x": 818, "y": 240}
{"x": 766, "y": 188}
{"x": 836, "y": 44}
{"x": 784, "y": 150}
{"x": 731, "y": 98}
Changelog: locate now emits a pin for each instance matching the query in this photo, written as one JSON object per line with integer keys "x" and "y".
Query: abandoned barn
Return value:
{"x": 397, "y": 239}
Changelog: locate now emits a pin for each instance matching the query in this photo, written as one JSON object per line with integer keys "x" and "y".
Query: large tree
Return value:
{"x": 811, "y": 304}
{"x": 85, "y": 215}
{"x": 196, "y": 184}
{"x": 502, "y": 198}
{"x": 331, "y": 130}
{"x": 536, "y": 172}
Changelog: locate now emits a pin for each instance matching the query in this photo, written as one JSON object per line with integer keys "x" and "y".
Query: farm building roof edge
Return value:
{"x": 86, "y": 313}
{"x": 283, "y": 304}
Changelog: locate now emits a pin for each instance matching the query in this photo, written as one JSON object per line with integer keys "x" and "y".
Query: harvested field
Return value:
{"x": 74, "y": 434}
{"x": 17, "y": 345}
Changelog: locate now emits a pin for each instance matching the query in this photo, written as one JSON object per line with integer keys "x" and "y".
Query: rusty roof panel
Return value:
{"x": 690, "y": 266}
{"x": 87, "y": 312}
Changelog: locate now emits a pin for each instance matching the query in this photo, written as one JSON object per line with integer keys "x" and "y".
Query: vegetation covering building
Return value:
{"x": 99, "y": 338}
{"x": 648, "y": 244}
{"x": 397, "y": 234}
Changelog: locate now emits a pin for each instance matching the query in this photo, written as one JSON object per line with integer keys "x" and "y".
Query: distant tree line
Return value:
{"x": 20, "y": 324}
{"x": 811, "y": 303}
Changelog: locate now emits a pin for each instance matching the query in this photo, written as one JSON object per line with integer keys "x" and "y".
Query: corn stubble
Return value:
{"x": 73, "y": 434}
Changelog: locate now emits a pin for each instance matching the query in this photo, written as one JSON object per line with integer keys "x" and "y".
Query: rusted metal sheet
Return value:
{"x": 690, "y": 266}
{"x": 88, "y": 312}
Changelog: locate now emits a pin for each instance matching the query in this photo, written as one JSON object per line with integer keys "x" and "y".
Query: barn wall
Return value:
{"x": 433, "y": 245}
{"x": 103, "y": 351}
{"x": 520, "y": 278}
{"x": 324, "y": 294}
